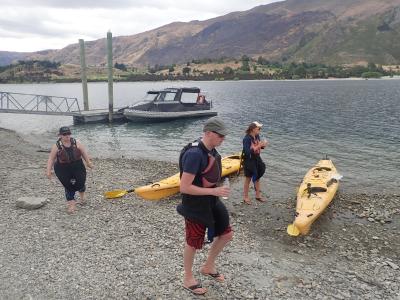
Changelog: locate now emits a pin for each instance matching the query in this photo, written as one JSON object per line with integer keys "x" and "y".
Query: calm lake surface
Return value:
{"x": 355, "y": 122}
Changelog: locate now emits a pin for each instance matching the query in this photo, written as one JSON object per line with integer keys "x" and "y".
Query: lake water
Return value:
{"x": 355, "y": 122}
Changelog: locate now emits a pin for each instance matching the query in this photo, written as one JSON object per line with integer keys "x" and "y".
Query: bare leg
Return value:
{"x": 82, "y": 198}
{"x": 216, "y": 248}
{"x": 71, "y": 206}
{"x": 188, "y": 259}
{"x": 258, "y": 192}
{"x": 257, "y": 187}
{"x": 246, "y": 190}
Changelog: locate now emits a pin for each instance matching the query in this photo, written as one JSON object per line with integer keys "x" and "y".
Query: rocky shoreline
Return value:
{"x": 130, "y": 248}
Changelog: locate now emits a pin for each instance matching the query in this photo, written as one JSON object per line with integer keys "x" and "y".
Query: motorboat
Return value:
{"x": 170, "y": 104}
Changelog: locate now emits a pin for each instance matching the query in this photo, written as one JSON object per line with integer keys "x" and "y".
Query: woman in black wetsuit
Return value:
{"x": 254, "y": 167}
{"x": 66, "y": 156}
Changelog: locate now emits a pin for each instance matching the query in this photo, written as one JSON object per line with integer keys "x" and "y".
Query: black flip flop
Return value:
{"x": 194, "y": 287}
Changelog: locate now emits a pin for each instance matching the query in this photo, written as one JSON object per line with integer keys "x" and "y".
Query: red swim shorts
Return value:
{"x": 195, "y": 233}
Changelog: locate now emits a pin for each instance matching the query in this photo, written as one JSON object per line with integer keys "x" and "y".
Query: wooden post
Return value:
{"x": 110, "y": 77}
{"x": 83, "y": 75}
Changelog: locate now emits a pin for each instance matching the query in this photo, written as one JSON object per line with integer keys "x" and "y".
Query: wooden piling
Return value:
{"x": 83, "y": 75}
{"x": 110, "y": 77}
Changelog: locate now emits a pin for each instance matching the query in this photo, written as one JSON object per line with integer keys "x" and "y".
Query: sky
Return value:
{"x": 28, "y": 26}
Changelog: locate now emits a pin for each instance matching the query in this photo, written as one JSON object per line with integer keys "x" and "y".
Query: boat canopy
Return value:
{"x": 174, "y": 95}
{"x": 191, "y": 90}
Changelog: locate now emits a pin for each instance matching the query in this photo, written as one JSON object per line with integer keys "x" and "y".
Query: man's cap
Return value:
{"x": 64, "y": 130}
{"x": 258, "y": 124}
{"x": 215, "y": 124}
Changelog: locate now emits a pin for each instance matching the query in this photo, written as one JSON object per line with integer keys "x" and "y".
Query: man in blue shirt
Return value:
{"x": 201, "y": 207}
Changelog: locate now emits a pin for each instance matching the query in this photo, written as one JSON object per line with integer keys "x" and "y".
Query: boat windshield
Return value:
{"x": 167, "y": 96}
{"x": 150, "y": 96}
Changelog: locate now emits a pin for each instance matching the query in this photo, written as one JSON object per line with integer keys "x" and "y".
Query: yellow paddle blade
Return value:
{"x": 293, "y": 230}
{"x": 117, "y": 193}
{"x": 114, "y": 194}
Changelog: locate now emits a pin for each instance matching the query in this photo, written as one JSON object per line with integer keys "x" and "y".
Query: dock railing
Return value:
{"x": 38, "y": 104}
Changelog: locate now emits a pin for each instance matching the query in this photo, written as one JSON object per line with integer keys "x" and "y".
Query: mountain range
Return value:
{"x": 334, "y": 32}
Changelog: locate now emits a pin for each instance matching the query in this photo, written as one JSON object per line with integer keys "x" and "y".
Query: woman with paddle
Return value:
{"x": 254, "y": 167}
{"x": 66, "y": 157}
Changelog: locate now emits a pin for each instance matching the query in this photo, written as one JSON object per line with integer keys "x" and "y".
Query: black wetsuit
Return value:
{"x": 253, "y": 165}
{"x": 70, "y": 170}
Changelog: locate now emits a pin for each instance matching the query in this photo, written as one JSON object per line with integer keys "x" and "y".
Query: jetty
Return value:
{"x": 65, "y": 106}
{"x": 20, "y": 103}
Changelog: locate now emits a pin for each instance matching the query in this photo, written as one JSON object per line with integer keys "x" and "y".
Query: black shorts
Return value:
{"x": 72, "y": 176}
{"x": 254, "y": 167}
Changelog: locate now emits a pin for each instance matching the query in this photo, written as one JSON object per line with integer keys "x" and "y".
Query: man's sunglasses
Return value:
{"x": 219, "y": 135}
{"x": 66, "y": 133}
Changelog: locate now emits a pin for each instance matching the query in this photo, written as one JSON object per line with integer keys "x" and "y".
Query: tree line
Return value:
{"x": 248, "y": 69}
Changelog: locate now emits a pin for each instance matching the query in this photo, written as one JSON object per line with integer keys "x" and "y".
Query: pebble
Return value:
{"x": 392, "y": 265}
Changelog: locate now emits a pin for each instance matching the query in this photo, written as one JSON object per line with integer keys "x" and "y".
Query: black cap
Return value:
{"x": 64, "y": 130}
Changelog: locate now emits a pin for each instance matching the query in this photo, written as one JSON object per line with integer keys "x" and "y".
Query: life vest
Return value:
{"x": 211, "y": 175}
{"x": 254, "y": 145}
{"x": 201, "y": 208}
{"x": 66, "y": 155}
{"x": 254, "y": 152}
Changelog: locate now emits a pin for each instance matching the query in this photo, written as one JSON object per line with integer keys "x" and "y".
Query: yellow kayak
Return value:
{"x": 315, "y": 193}
{"x": 170, "y": 186}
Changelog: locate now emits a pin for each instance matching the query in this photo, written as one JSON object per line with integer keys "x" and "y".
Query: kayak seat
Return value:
{"x": 323, "y": 169}
{"x": 316, "y": 187}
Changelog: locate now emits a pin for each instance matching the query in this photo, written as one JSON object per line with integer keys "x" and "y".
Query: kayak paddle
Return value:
{"x": 117, "y": 193}
{"x": 240, "y": 163}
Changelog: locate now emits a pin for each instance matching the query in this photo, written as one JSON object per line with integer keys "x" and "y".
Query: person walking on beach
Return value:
{"x": 66, "y": 156}
{"x": 254, "y": 167}
{"x": 200, "y": 168}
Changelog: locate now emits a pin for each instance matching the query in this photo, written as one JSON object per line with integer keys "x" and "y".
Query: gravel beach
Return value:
{"x": 129, "y": 248}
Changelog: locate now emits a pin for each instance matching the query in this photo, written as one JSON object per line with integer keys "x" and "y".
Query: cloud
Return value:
{"x": 201, "y": 6}
{"x": 27, "y": 25}
{"x": 27, "y": 22}
{"x": 117, "y": 4}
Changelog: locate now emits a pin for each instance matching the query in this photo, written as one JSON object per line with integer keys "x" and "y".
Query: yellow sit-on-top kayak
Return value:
{"x": 170, "y": 186}
{"x": 315, "y": 193}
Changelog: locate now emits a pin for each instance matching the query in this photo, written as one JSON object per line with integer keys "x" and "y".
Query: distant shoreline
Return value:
{"x": 397, "y": 77}
{"x": 244, "y": 69}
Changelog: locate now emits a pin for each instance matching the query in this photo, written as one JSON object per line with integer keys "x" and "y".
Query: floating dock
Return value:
{"x": 19, "y": 103}
{"x": 98, "y": 116}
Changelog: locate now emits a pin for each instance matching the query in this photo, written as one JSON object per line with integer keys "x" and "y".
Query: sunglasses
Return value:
{"x": 219, "y": 135}
{"x": 66, "y": 133}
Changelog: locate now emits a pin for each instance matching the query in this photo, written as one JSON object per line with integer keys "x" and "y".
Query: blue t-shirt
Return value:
{"x": 194, "y": 161}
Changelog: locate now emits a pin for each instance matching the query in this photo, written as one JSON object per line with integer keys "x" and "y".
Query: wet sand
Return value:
{"x": 130, "y": 248}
